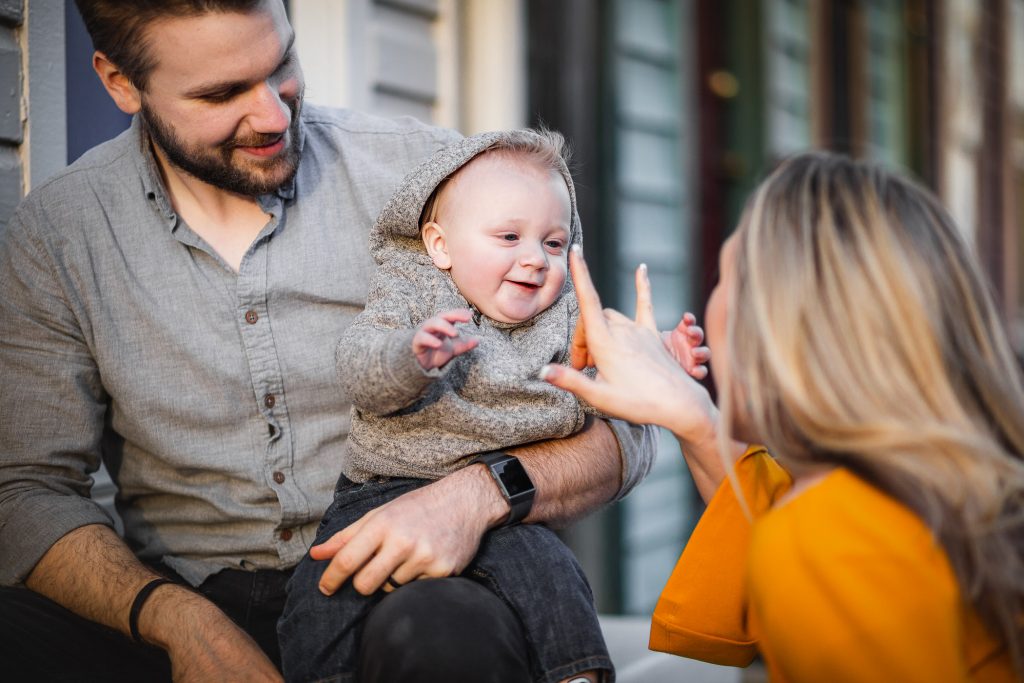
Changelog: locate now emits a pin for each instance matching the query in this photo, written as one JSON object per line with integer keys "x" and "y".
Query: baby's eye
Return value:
{"x": 554, "y": 244}
{"x": 510, "y": 237}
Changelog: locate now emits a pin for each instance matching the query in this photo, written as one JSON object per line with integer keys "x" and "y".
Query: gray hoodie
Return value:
{"x": 409, "y": 422}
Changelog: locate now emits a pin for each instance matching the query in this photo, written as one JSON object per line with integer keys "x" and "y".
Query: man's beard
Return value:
{"x": 215, "y": 165}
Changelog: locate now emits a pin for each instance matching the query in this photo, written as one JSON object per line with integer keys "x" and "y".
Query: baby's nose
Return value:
{"x": 534, "y": 256}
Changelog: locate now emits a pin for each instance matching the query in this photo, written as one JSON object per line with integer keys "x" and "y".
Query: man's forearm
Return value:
{"x": 574, "y": 476}
{"x": 91, "y": 572}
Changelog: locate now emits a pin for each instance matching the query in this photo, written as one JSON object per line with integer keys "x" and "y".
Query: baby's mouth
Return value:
{"x": 526, "y": 285}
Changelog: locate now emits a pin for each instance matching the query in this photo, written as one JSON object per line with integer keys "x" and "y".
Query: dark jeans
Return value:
{"x": 408, "y": 637}
{"x": 526, "y": 567}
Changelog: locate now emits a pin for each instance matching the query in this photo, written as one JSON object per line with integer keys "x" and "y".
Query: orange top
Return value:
{"x": 840, "y": 583}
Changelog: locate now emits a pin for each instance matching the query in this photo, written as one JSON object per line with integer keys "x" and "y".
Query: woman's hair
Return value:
{"x": 542, "y": 147}
{"x": 118, "y": 28}
{"x": 862, "y": 335}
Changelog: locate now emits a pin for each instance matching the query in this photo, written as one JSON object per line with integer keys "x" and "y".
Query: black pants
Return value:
{"x": 449, "y": 629}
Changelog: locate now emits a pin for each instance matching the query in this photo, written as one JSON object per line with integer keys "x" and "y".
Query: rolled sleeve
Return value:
{"x": 638, "y": 445}
{"x": 53, "y": 407}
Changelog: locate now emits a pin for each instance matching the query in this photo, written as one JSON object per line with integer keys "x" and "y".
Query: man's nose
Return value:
{"x": 270, "y": 113}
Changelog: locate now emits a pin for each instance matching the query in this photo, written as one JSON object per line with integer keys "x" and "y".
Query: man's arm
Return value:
{"x": 577, "y": 475}
{"x": 435, "y": 531}
{"x": 92, "y": 572}
{"x": 53, "y": 538}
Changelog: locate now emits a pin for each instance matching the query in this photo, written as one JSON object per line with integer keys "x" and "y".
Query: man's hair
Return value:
{"x": 118, "y": 27}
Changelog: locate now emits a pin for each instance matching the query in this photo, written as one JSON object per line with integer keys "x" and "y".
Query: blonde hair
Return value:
{"x": 862, "y": 335}
{"x": 544, "y": 148}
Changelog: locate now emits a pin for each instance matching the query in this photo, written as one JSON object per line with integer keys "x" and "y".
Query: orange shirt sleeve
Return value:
{"x": 701, "y": 613}
{"x": 846, "y": 585}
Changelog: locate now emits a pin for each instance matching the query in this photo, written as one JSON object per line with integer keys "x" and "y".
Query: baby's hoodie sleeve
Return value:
{"x": 374, "y": 358}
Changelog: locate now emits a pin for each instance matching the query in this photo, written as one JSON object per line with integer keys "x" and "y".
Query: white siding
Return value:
{"x": 387, "y": 57}
{"x": 456, "y": 63}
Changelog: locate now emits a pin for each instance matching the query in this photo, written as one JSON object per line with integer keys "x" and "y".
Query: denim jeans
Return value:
{"x": 526, "y": 566}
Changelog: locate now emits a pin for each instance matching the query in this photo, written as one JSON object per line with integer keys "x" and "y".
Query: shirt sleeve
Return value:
{"x": 701, "y": 613}
{"x": 376, "y": 365}
{"x": 859, "y": 592}
{"x": 53, "y": 404}
{"x": 638, "y": 446}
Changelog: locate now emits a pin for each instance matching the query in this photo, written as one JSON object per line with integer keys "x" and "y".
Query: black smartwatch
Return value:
{"x": 513, "y": 482}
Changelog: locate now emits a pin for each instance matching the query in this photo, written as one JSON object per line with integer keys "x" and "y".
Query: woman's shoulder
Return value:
{"x": 848, "y": 533}
{"x": 844, "y": 514}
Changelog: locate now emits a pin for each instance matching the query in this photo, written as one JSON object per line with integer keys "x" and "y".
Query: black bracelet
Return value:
{"x": 140, "y": 600}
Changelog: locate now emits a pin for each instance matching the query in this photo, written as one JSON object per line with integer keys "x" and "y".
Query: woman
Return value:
{"x": 853, "y": 336}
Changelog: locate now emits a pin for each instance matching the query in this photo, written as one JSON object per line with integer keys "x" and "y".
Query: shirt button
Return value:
{"x": 251, "y": 317}
{"x": 279, "y": 477}
{"x": 269, "y": 400}
{"x": 286, "y": 535}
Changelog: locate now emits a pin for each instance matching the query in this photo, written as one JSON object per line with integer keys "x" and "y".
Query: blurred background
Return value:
{"x": 675, "y": 110}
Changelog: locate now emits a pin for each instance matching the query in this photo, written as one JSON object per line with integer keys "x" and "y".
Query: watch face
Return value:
{"x": 513, "y": 477}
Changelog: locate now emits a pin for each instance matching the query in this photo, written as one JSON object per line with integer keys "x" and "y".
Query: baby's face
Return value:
{"x": 506, "y": 223}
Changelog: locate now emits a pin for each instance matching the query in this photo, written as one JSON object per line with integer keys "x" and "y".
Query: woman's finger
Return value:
{"x": 590, "y": 303}
{"x": 590, "y": 325}
{"x": 644, "y": 305}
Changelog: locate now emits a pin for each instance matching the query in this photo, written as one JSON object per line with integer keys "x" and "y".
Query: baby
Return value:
{"x": 471, "y": 299}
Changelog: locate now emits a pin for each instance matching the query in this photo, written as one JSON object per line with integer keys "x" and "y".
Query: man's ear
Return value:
{"x": 437, "y": 245}
{"x": 125, "y": 95}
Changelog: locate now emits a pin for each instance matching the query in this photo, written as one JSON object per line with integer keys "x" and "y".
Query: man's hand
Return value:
{"x": 437, "y": 340}
{"x": 202, "y": 642}
{"x": 431, "y": 532}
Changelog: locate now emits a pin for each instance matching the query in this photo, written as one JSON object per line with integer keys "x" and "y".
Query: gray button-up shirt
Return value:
{"x": 210, "y": 395}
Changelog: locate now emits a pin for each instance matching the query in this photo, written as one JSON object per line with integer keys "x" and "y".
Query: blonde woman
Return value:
{"x": 852, "y": 335}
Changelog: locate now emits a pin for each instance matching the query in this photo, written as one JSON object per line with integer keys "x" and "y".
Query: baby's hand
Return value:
{"x": 437, "y": 341}
{"x": 684, "y": 343}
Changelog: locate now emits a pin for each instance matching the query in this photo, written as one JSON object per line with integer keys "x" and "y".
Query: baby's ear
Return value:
{"x": 437, "y": 245}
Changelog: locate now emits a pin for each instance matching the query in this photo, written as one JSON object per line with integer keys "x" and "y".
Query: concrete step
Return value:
{"x": 626, "y": 637}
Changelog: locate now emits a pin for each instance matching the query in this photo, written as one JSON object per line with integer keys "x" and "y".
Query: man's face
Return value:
{"x": 222, "y": 101}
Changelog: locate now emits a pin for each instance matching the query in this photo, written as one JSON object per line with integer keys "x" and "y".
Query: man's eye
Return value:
{"x": 218, "y": 97}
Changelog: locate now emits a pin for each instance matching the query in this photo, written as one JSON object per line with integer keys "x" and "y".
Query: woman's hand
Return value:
{"x": 638, "y": 379}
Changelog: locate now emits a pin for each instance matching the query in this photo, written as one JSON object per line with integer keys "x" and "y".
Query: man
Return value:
{"x": 170, "y": 305}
